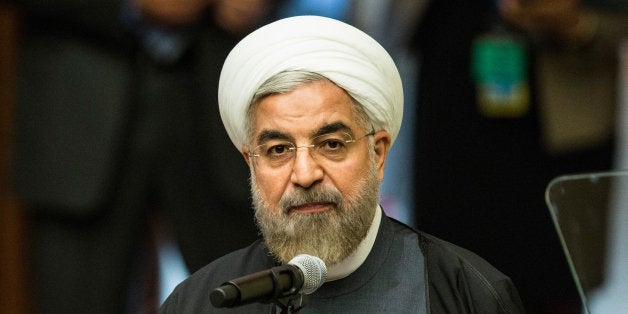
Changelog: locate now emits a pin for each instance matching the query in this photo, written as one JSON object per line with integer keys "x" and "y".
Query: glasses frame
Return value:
{"x": 293, "y": 148}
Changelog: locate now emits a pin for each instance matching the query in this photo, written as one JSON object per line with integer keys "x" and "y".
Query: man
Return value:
{"x": 314, "y": 106}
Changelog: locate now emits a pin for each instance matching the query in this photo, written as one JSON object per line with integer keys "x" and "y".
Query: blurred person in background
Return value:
{"x": 393, "y": 23}
{"x": 511, "y": 94}
{"x": 116, "y": 118}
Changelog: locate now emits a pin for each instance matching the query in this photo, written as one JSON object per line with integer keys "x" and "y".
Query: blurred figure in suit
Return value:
{"x": 116, "y": 118}
{"x": 481, "y": 174}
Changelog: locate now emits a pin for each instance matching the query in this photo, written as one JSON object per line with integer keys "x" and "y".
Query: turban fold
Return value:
{"x": 340, "y": 52}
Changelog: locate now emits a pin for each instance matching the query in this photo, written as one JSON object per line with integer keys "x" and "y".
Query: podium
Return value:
{"x": 590, "y": 213}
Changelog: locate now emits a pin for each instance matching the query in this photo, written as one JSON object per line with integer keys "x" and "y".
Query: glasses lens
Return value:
{"x": 332, "y": 146}
{"x": 274, "y": 153}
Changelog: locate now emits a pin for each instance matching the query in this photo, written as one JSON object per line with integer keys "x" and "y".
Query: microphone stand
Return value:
{"x": 291, "y": 304}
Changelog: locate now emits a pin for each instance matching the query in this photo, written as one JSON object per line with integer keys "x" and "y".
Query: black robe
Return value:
{"x": 450, "y": 280}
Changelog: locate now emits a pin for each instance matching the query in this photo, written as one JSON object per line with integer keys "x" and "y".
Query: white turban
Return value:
{"x": 340, "y": 52}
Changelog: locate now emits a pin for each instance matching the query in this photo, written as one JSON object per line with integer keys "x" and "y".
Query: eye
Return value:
{"x": 331, "y": 144}
{"x": 277, "y": 150}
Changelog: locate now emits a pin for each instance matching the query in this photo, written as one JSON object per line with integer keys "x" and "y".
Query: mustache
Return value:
{"x": 317, "y": 194}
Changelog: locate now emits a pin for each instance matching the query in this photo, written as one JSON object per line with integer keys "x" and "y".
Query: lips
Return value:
{"x": 311, "y": 208}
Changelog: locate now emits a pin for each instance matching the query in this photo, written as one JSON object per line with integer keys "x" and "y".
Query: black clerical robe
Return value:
{"x": 407, "y": 271}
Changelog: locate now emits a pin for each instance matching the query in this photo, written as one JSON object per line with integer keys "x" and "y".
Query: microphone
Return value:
{"x": 303, "y": 274}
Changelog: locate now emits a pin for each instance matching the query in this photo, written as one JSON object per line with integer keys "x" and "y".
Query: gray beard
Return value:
{"x": 331, "y": 235}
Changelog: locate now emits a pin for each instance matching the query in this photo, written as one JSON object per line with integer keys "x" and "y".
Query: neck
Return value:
{"x": 355, "y": 260}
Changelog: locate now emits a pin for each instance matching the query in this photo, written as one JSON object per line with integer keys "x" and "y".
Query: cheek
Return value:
{"x": 271, "y": 187}
{"x": 347, "y": 177}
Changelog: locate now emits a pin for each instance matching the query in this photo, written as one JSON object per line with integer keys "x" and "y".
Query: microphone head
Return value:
{"x": 313, "y": 269}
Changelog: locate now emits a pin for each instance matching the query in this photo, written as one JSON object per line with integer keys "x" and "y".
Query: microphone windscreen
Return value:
{"x": 313, "y": 269}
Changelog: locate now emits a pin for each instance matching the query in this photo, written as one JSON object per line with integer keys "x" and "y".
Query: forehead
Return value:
{"x": 305, "y": 110}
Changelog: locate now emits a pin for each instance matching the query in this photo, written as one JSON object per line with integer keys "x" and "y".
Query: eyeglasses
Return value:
{"x": 276, "y": 153}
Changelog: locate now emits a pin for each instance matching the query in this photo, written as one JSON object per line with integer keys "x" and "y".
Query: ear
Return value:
{"x": 245, "y": 154}
{"x": 382, "y": 141}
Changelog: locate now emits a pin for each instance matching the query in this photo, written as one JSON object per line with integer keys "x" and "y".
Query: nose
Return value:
{"x": 306, "y": 171}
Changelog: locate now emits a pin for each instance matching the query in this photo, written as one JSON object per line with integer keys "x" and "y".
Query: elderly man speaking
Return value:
{"x": 314, "y": 105}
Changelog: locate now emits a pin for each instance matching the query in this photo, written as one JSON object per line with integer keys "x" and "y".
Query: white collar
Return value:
{"x": 355, "y": 260}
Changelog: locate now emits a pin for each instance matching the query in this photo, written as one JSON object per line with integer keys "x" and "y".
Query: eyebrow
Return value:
{"x": 267, "y": 135}
{"x": 332, "y": 128}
